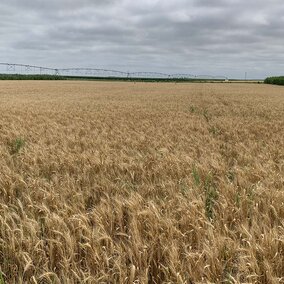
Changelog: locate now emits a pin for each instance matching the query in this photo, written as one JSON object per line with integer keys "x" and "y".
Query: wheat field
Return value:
{"x": 141, "y": 182}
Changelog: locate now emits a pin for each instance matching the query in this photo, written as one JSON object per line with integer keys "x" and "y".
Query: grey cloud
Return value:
{"x": 216, "y": 37}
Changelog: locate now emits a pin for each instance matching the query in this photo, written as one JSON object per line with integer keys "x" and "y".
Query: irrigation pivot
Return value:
{"x": 26, "y": 69}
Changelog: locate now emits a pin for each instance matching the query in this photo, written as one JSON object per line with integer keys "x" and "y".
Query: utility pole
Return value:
{"x": 245, "y": 76}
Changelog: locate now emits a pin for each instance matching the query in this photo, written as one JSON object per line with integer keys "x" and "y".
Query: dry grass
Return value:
{"x": 141, "y": 183}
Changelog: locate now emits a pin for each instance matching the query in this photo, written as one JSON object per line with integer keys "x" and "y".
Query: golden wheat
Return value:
{"x": 141, "y": 183}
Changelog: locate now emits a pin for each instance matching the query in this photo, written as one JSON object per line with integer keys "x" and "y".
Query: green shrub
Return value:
{"x": 30, "y": 77}
{"x": 275, "y": 80}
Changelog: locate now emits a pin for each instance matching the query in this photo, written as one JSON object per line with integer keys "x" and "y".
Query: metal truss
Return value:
{"x": 11, "y": 68}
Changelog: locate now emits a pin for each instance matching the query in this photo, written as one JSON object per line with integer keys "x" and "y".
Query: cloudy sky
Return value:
{"x": 217, "y": 37}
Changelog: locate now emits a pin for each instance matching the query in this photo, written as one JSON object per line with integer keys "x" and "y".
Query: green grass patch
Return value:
{"x": 16, "y": 145}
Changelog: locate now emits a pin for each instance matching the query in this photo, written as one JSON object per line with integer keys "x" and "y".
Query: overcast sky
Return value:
{"x": 217, "y": 37}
